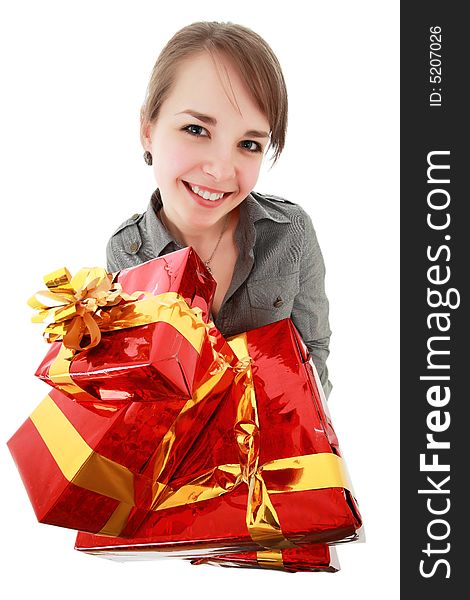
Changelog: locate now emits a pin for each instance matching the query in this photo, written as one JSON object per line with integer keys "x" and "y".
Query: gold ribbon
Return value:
{"x": 78, "y": 462}
{"x": 270, "y": 559}
{"x": 91, "y": 302}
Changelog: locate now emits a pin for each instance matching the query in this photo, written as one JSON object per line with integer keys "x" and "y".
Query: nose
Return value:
{"x": 220, "y": 166}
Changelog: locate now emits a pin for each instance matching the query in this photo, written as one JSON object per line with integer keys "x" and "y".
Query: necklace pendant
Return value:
{"x": 206, "y": 264}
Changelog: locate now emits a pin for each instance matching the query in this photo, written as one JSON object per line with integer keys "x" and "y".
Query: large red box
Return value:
{"x": 267, "y": 471}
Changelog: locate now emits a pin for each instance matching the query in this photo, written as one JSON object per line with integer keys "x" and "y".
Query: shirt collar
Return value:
{"x": 251, "y": 211}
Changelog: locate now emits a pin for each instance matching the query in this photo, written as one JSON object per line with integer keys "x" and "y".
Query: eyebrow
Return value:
{"x": 212, "y": 121}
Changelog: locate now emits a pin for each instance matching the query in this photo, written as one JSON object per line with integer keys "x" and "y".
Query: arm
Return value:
{"x": 310, "y": 310}
{"x": 112, "y": 265}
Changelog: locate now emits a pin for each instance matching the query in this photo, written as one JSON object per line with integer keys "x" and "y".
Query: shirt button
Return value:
{"x": 278, "y": 302}
{"x": 135, "y": 217}
{"x": 134, "y": 247}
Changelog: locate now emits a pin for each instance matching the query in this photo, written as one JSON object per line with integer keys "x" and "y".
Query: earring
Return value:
{"x": 148, "y": 157}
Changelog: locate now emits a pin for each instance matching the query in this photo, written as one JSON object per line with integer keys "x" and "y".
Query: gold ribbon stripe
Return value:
{"x": 298, "y": 473}
{"x": 79, "y": 463}
{"x": 308, "y": 472}
{"x": 270, "y": 559}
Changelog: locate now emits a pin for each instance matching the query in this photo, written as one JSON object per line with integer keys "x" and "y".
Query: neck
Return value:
{"x": 197, "y": 237}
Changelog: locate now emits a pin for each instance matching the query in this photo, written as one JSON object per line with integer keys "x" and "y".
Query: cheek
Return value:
{"x": 251, "y": 174}
{"x": 172, "y": 161}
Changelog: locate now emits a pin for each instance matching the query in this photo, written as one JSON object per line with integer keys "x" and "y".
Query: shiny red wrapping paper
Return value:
{"x": 155, "y": 361}
{"x": 292, "y": 425}
{"x": 312, "y": 558}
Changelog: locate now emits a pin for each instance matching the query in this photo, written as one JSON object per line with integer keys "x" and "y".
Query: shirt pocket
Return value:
{"x": 272, "y": 299}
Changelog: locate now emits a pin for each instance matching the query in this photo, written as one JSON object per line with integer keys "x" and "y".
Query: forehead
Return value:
{"x": 213, "y": 86}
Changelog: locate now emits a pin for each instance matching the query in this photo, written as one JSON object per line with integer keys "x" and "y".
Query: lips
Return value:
{"x": 205, "y": 202}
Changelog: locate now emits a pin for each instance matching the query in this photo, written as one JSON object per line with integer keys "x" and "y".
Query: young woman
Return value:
{"x": 215, "y": 104}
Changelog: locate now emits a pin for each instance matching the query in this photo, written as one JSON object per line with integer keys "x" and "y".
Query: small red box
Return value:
{"x": 150, "y": 361}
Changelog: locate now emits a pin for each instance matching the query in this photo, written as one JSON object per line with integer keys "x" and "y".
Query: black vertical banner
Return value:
{"x": 435, "y": 257}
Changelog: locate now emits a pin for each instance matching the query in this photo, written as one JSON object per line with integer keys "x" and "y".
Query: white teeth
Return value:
{"x": 205, "y": 193}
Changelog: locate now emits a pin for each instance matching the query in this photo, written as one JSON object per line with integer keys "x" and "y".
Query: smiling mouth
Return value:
{"x": 205, "y": 194}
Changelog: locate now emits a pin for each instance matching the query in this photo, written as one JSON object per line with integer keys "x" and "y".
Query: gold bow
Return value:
{"x": 74, "y": 307}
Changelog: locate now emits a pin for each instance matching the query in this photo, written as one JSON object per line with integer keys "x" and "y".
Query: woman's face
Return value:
{"x": 206, "y": 152}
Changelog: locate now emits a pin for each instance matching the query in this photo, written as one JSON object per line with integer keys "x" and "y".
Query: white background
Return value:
{"x": 73, "y": 79}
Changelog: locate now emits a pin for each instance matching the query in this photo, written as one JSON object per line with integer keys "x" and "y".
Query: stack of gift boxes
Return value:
{"x": 161, "y": 438}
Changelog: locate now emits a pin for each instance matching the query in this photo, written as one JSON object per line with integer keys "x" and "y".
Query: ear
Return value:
{"x": 145, "y": 132}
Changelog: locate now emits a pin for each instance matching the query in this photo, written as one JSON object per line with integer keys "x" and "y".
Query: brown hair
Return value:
{"x": 250, "y": 54}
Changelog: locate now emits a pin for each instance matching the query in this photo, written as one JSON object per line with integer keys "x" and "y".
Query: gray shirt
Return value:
{"x": 279, "y": 271}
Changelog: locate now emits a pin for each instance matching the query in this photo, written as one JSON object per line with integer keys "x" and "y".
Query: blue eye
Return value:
{"x": 251, "y": 146}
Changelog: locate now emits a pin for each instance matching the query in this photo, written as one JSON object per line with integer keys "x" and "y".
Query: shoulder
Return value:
{"x": 300, "y": 231}
{"x": 282, "y": 210}
{"x": 126, "y": 239}
{"x": 129, "y": 228}
{"x": 129, "y": 224}
{"x": 272, "y": 199}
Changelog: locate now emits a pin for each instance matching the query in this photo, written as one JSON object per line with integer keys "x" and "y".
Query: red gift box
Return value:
{"x": 68, "y": 457}
{"x": 144, "y": 356}
{"x": 267, "y": 471}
